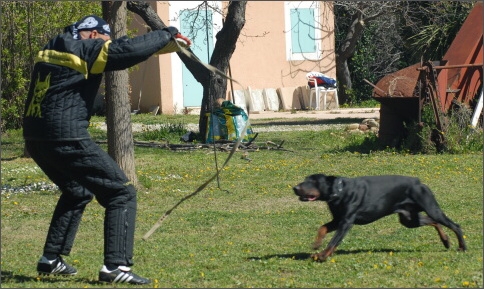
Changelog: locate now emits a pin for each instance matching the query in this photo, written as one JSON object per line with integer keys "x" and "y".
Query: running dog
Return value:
{"x": 363, "y": 200}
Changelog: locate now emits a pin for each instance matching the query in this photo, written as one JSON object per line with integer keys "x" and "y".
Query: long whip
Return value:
{"x": 232, "y": 151}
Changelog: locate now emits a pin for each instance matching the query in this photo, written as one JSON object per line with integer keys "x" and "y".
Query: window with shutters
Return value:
{"x": 303, "y": 36}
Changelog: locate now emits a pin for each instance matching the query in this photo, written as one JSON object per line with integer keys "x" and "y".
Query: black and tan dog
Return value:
{"x": 364, "y": 200}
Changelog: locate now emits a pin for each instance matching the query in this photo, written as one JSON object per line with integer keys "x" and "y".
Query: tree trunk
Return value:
{"x": 362, "y": 13}
{"x": 222, "y": 52}
{"x": 120, "y": 135}
{"x": 344, "y": 79}
{"x": 214, "y": 86}
{"x": 344, "y": 52}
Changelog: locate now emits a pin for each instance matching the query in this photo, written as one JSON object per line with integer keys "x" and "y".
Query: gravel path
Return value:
{"x": 356, "y": 113}
{"x": 137, "y": 127}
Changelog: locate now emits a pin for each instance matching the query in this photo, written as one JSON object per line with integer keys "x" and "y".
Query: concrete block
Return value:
{"x": 271, "y": 99}
{"x": 256, "y": 100}
{"x": 290, "y": 98}
{"x": 304, "y": 94}
{"x": 239, "y": 100}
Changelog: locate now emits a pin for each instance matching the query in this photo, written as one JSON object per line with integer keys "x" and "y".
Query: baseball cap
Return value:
{"x": 89, "y": 23}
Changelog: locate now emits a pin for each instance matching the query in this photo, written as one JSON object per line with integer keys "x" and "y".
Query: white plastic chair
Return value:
{"x": 316, "y": 90}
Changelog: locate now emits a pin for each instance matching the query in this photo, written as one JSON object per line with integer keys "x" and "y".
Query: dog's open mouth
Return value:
{"x": 307, "y": 198}
{"x": 306, "y": 194}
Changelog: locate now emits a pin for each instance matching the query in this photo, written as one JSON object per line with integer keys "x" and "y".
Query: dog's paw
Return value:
{"x": 318, "y": 257}
{"x": 446, "y": 243}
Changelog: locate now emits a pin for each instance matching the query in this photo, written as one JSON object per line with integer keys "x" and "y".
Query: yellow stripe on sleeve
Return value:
{"x": 102, "y": 58}
{"x": 64, "y": 59}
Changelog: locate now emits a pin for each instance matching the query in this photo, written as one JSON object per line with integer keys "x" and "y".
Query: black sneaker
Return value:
{"x": 122, "y": 274}
{"x": 55, "y": 267}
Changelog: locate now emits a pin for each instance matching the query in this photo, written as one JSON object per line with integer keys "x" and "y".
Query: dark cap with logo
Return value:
{"x": 89, "y": 23}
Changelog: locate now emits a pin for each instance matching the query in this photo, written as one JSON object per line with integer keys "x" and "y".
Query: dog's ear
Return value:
{"x": 330, "y": 180}
{"x": 324, "y": 184}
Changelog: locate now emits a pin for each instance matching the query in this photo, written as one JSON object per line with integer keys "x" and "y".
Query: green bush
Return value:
{"x": 458, "y": 135}
{"x": 170, "y": 132}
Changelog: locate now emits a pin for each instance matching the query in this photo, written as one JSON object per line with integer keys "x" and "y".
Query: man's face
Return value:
{"x": 86, "y": 34}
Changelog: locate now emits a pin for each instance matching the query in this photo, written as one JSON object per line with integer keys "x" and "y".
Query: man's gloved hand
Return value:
{"x": 172, "y": 30}
{"x": 177, "y": 41}
{"x": 177, "y": 35}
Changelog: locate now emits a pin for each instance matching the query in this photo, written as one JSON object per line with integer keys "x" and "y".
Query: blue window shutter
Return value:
{"x": 302, "y": 30}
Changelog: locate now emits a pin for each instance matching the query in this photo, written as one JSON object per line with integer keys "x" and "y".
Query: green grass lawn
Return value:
{"x": 247, "y": 228}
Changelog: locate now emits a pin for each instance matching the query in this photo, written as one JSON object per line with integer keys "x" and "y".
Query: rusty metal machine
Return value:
{"x": 455, "y": 80}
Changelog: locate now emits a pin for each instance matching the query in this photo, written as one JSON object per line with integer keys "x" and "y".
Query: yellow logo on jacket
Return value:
{"x": 40, "y": 90}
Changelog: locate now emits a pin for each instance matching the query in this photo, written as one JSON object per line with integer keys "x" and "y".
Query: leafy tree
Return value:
{"x": 429, "y": 27}
{"x": 26, "y": 28}
{"x": 214, "y": 85}
{"x": 352, "y": 19}
{"x": 374, "y": 38}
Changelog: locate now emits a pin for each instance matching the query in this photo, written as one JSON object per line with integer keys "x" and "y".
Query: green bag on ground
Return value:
{"x": 227, "y": 123}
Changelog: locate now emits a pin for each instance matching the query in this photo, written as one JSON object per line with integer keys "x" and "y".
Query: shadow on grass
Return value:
{"x": 306, "y": 256}
{"x": 342, "y": 120}
{"x": 10, "y": 158}
{"x": 10, "y": 277}
{"x": 294, "y": 256}
{"x": 13, "y": 149}
{"x": 368, "y": 145}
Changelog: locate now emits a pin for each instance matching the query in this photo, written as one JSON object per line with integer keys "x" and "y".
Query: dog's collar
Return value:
{"x": 337, "y": 189}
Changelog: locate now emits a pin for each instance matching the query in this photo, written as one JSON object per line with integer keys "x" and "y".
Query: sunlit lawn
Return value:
{"x": 247, "y": 228}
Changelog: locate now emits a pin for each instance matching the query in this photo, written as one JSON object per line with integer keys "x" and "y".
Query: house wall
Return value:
{"x": 259, "y": 61}
{"x": 151, "y": 81}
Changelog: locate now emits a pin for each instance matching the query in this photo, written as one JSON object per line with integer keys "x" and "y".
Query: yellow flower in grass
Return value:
{"x": 466, "y": 284}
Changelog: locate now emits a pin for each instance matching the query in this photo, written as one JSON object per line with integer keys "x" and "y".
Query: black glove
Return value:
{"x": 172, "y": 30}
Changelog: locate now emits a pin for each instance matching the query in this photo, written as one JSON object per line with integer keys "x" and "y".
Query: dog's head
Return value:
{"x": 314, "y": 187}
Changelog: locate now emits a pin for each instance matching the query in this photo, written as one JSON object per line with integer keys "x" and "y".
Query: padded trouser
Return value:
{"x": 82, "y": 170}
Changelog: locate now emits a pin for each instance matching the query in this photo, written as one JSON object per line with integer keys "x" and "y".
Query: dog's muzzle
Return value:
{"x": 305, "y": 195}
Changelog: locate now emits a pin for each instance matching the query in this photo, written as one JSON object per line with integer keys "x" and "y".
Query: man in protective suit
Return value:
{"x": 65, "y": 81}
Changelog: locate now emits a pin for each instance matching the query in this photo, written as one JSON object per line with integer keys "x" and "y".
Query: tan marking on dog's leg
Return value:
{"x": 322, "y": 231}
{"x": 443, "y": 237}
